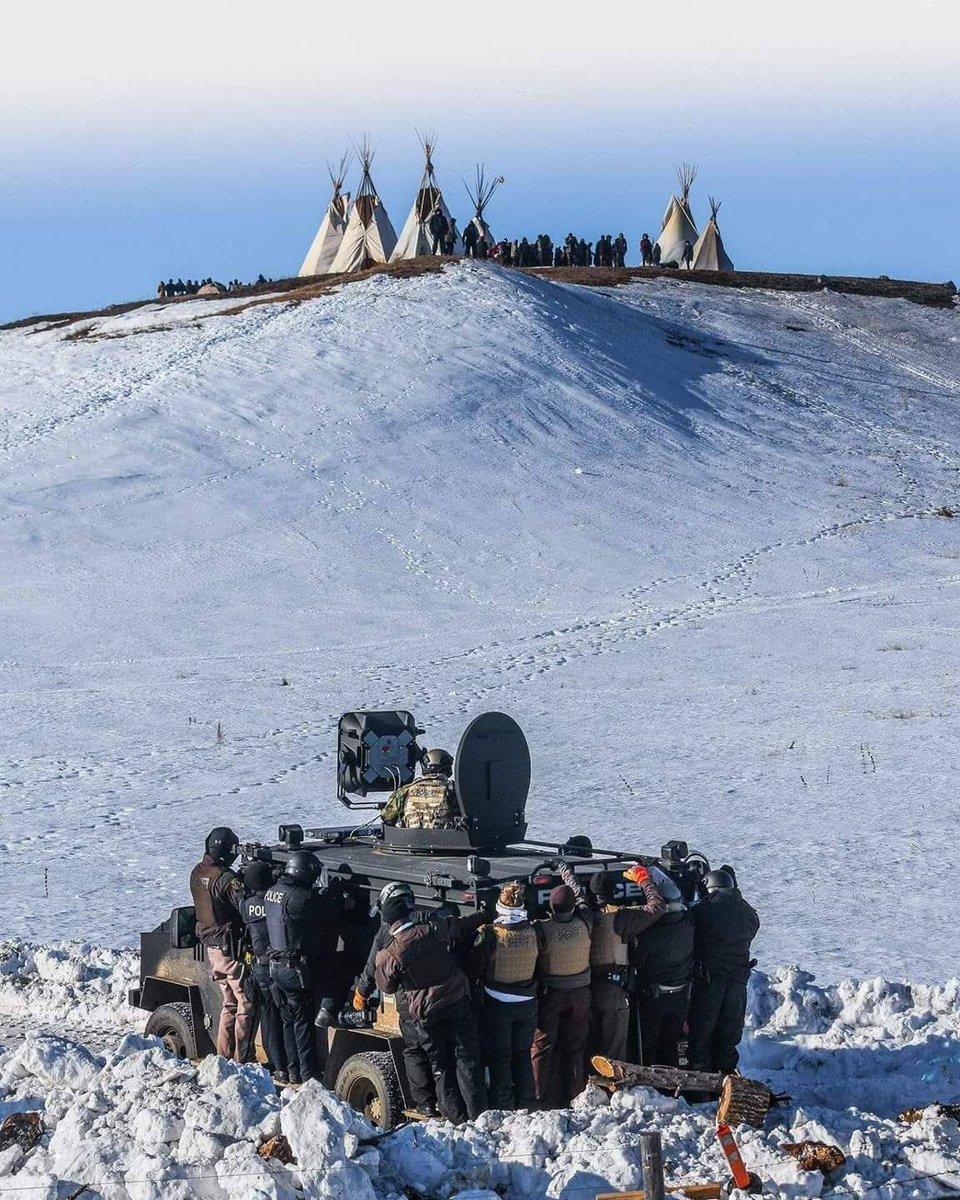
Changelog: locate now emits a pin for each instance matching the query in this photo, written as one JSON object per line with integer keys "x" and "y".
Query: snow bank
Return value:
{"x": 139, "y": 1124}
{"x": 875, "y": 1044}
{"x": 74, "y": 985}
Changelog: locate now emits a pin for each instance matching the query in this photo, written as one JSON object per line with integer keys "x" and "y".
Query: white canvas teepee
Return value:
{"x": 708, "y": 253}
{"x": 325, "y": 245}
{"x": 678, "y": 223}
{"x": 480, "y": 196}
{"x": 369, "y": 237}
{"x": 415, "y": 237}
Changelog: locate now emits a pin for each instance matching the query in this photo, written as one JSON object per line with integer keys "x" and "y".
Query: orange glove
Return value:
{"x": 359, "y": 1002}
{"x": 637, "y": 874}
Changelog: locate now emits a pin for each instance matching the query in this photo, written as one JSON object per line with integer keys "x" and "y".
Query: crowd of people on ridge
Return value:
{"x": 192, "y": 287}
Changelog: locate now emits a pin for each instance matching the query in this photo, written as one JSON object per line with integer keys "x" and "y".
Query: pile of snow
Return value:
{"x": 73, "y": 984}
{"x": 139, "y": 1124}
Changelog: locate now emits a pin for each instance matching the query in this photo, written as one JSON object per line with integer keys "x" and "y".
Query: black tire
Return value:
{"x": 173, "y": 1024}
{"x": 368, "y": 1082}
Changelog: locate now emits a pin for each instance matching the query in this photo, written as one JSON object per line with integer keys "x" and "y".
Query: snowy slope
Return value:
{"x": 687, "y": 536}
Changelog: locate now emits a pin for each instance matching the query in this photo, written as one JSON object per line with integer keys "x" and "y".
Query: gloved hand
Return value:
{"x": 359, "y": 1001}
{"x": 637, "y": 874}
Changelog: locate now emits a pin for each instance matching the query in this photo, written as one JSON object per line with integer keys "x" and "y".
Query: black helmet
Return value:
{"x": 718, "y": 881}
{"x": 222, "y": 844}
{"x": 257, "y": 876}
{"x": 394, "y": 889}
{"x": 302, "y": 868}
{"x": 437, "y": 762}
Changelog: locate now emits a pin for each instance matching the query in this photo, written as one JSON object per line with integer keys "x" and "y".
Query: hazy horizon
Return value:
{"x": 192, "y": 142}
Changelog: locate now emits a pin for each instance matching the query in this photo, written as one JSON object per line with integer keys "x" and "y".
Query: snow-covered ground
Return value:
{"x": 133, "y": 1123}
{"x": 687, "y": 536}
{"x": 693, "y": 539}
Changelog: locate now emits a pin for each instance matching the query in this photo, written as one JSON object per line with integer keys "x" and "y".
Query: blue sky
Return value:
{"x": 191, "y": 139}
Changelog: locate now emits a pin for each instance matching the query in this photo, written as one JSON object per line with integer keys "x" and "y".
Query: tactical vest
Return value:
{"x": 284, "y": 934}
{"x": 512, "y": 964}
{"x": 566, "y": 953}
{"x": 216, "y": 918}
{"x": 254, "y": 913}
{"x": 607, "y": 948}
{"x": 428, "y": 804}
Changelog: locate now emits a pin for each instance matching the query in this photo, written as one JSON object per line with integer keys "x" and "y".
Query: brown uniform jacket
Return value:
{"x": 217, "y": 895}
{"x": 418, "y": 960}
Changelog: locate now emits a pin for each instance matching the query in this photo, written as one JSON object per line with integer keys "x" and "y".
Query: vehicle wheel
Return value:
{"x": 369, "y": 1083}
{"x": 173, "y": 1024}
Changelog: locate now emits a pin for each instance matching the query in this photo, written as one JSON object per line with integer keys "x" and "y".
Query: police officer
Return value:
{"x": 614, "y": 927}
{"x": 725, "y": 926}
{"x": 303, "y": 938}
{"x": 418, "y": 960}
{"x": 662, "y": 958}
{"x": 217, "y": 895}
{"x": 428, "y": 802}
{"x": 506, "y": 961}
{"x": 423, "y": 1093}
{"x": 563, "y": 1019}
{"x": 257, "y": 878}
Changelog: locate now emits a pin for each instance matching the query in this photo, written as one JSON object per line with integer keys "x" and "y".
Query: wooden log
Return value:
{"x": 651, "y": 1165}
{"x": 693, "y": 1191}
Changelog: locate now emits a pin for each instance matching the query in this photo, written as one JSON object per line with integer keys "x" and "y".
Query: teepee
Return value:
{"x": 678, "y": 223}
{"x": 415, "y": 237}
{"x": 325, "y": 245}
{"x": 369, "y": 237}
{"x": 708, "y": 253}
{"x": 480, "y": 196}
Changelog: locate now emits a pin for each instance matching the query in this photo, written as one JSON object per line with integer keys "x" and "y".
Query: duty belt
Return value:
{"x": 663, "y": 989}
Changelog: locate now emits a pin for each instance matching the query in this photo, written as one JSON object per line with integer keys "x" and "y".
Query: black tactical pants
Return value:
{"x": 610, "y": 1020}
{"x": 423, "y": 1093}
{"x": 662, "y": 1018}
{"x": 718, "y": 1009}
{"x": 508, "y": 1030}
{"x": 560, "y": 1045}
{"x": 271, "y": 1027}
{"x": 297, "y": 1013}
{"x": 453, "y": 1047}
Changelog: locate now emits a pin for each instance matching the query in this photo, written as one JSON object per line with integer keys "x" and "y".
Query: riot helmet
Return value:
{"x": 302, "y": 868}
{"x": 257, "y": 876}
{"x": 222, "y": 844}
{"x": 437, "y": 762}
{"x": 718, "y": 881}
{"x": 391, "y": 890}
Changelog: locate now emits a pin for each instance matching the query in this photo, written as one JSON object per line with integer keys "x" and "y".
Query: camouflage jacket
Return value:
{"x": 428, "y": 802}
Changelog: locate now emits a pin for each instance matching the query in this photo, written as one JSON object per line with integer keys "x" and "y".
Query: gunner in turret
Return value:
{"x": 429, "y": 801}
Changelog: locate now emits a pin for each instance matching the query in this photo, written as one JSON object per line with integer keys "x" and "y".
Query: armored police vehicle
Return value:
{"x": 463, "y": 867}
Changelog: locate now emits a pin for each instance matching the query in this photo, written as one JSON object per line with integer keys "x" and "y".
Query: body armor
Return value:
{"x": 512, "y": 964}
{"x": 428, "y": 803}
{"x": 254, "y": 913}
{"x": 284, "y": 934}
{"x": 566, "y": 953}
{"x": 217, "y": 919}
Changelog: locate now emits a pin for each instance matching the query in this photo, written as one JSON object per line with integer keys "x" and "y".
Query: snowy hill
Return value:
{"x": 689, "y": 537}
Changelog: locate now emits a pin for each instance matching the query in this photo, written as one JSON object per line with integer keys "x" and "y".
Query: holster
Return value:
{"x": 617, "y": 975}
